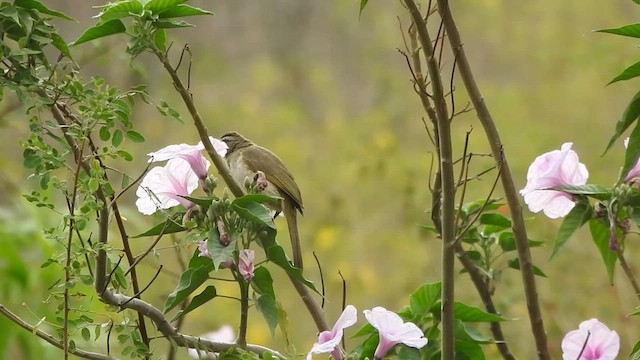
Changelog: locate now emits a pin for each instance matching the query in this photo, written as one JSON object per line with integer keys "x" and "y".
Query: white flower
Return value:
{"x": 191, "y": 153}
{"x": 393, "y": 330}
{"x": 224, "y": 334}
{"x": 592, "y": 341}
{"x": 161, "y": 187}
{"x": 328, "y": 341}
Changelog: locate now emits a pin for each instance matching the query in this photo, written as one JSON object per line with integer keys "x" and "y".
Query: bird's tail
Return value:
{"x": 290, "y": 213}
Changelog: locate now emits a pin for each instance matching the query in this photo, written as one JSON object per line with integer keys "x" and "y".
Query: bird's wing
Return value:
{"x": 258, "y": 158}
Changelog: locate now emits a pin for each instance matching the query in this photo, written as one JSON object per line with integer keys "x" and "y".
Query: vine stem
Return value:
{"x": 628, "y": 271}
{"x": 519, "y": 230}
{"x": 448, "y": 185}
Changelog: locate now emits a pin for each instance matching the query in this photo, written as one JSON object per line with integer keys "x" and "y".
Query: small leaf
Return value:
{"x": 495, "y": 219}
{"x": 119, "y": 10}
{"x": 628, "y": 73}
{"x": 262, "y": 281}
{"x": 253, "y": 212}
{"x": 135, "y": 136}
{"x": 160, "y": 39}
{"x": 632, "y": 154}
{"x": 219, "y": 252}
{"x": 167, "y": 227}
{"x": 423, "y": 299}
{"x": 86, "y": 334}
{"x": 267, "y": 306}
{"x": 183, "y": 10}
{"x": 601, "y": 235}
{"x": 631, "y": 30}
{"x": 124, "y": 155}
{"x": 61, "y": 45}
{"x": 592, "y": 190}
{"x": 158, "y": 6}
{"x": 36, "y": 5}
{"x": 93, "y": 185}
{"x": 363, "y": 3}
{"x": 109, "y": 28}
{"x": 630, "y": 115}
{"x": 578, "y": 216}
{"x": 199, "y": 300}
{"x": 117, "y": 138}
{"x": 104, "y": 133}
{"x": 468, "y": 313}
{"x": 276, "y": 254}
{"x": 515, "y": 264}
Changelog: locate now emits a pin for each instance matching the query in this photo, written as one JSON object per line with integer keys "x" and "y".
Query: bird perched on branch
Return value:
{"x": 247, "y": 159}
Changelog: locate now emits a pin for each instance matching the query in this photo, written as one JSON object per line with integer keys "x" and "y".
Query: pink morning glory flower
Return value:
{"x": 328, "y": 341}
{"x": 191, "y": 153}
{"x": 393, "y": 330}
{"x": 558, "y": 167}
{"x": 162, "y": 186}
{"x": 224, "y": 335}
{"x": 634, "y": 174}
{"x": 245, "y": 263}
{"x": 591, "y": 341}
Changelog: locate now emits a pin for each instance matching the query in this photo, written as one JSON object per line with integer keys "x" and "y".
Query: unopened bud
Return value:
{"x": 261, "y": 181}
{"x": 210, "y": 184}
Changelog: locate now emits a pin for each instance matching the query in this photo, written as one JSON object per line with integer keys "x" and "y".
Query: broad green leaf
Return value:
{"x": 468, "y": 313}
{"x": 631, "y": 30}
{"x": 120, "y": 10}
{"x": 134, "y": 136}
{"x": 198, "y": 300}
{"x": 630, "y": 115}
{"x": 167, "y": 227}
{"x": 474, "y": 206}
{"x": 365, "y": 330}
{"x": 190, "y": 280}
{"x": 578, "y": 216}
{"x": 108, "y": 28}
{"x": 202, "y": 201}
{"x": 632, "y": 198}
{"x": 275, "y": 253}
{"x": 267, "y": 306}
{"x": 160, "y": 39}
{"x": 466, "y": 346}
{"x": 183, "y": 10}
{"x": 36, "y": 5}
{"x": 507, "y": 242}
{"x": 253, "y": 211}
{"x": 59, "y": 43}
{"x": 171, "y": 24}
{"x": 262, "y": 282}
{"x": 158, "y": 6}
{"x": 628, "y": 73}
{"x": 495, "y": 219}
{"x": 515, "y": 264}
{"x": 220, "y": 252}
{"x": 423, "y": 299}
{"x": 600, "y": 235}
{"x": 632, "y": 154}
{"x": 592, "y": 190}
{"x": 366, "y": 349}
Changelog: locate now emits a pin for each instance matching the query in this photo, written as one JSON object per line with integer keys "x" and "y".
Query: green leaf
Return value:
{"x": 631, "y": 30}
{"x": 252, "y": 211}
{"x": 630, "y": 115}
{"x": 190, "y": 280}
{"x": 158, "y": 6}
{"x": 592, "y": 190}
{"x": 267, "y": 306}
{"x": 423, "y": 299}
{"x": 600, "y": 235}
{"x": 365, "y": 330}
{"x": 171, "y": 24}
{"x": 468, "y": 313}
{"x": 61, "y": 45}
{"x": 632, "y": 154}
{"x": 124, "y": 155}
{"x": 36, "y": 5}
{"x": 160, "y": 39}
{"x": 495, "y": 219}
{"x": 363, "y": 3}
{"x": 466, "y": 346}
{"x": 409, "y": 353}
{"x": 93, "y": 185}
{"x": 119, "y": 10}
{"x": 578, "y": 216}
{"x": 135, "y": 136}
{"x": 628, "y": 73}
{"x": 108, "y": 28}
{"x": 515, "y": 264}
{"x": 199, "y": 300}
{"x": 635, "y": 352}
{"x": 117, "y": 138}
{"x": 202, "y": 201}
{"x": 167, "y": 227}
{"x": 219, "y": 252}
{"x": 262, "y": 282}
{"x": 183, "y": 10}
{"x": 276, "y": 254}
{"x": 507, "y": 242}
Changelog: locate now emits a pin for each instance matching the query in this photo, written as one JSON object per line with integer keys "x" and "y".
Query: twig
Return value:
{"x": 519, "y": 231}
{"x": 50, "y": 339}
{"x": 137, "y": 295}
{"x": 315, "y": 256}
{"x": 628, "y": 271}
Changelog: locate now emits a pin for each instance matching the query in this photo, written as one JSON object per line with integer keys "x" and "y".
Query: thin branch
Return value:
{"x": 50, "y": 339}
{"x": 628, "y": 271}
{"x": 519, "y": 231}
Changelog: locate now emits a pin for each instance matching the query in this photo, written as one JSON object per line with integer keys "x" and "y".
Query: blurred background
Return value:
{"x": 329, "y": 93}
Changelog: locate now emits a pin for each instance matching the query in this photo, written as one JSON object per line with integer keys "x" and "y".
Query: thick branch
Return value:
{"x": 519, "y": 231}
{"x": 448, "y": 184}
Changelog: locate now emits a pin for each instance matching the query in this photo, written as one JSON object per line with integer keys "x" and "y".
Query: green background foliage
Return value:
{"x": 326, "y": 90}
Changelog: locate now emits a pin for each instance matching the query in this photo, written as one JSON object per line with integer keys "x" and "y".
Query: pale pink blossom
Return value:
{"x": 245, "y": 264}
{"x": 554, "y": 168}
{"x": 224, "y": 335}
{"x": 634, "y": 173}
{"x": 591, "y": 341}
{"x": 191, "y": 153}
{"x": 163, "y": 187}
{"x": 202, "y": 247}
{"x": 329, "y": 341}
{"x": 393, "y": 330}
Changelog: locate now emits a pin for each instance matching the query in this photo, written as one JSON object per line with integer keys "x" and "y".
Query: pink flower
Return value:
{"x": 634, "y": 173}
{"x": 191, "y": 153}
{"x": 162, "y": 186}
{"x": 592, "y": 341}
{"x": 558, "y": 167}
{"x": 202, "y": 247}
{"x": 393, "y": 330}
{"x": 224, "y": 335}
{"x": 328, "y": 341}
{"x": 245, "y": 264}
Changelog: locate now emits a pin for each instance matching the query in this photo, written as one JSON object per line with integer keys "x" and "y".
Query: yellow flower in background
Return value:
{"x": 326, "y": 238}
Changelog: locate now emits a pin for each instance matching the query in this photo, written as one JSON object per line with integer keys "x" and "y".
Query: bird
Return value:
{"x": 246, "y": 159}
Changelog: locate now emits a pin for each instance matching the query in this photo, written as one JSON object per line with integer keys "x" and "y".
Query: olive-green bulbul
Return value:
{"x": 246, "y": 159}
